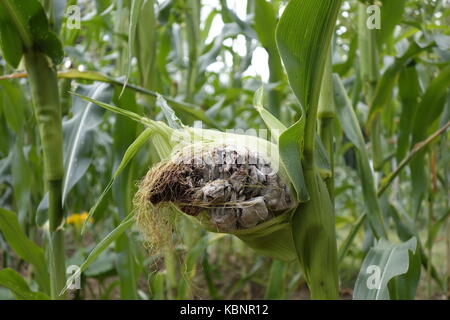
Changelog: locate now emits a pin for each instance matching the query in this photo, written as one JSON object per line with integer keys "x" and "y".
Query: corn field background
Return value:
{"x": 354, "y": 95}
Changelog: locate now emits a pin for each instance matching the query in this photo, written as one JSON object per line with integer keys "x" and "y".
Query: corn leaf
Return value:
{"x": 265, "y": 27}
{"x": 129, "y": 154}
{"x": 31, "y": 25}
{"x": 289, "y": 143}
{"x": 391, "y": 16}
{"x": 10, "y": 44}
{"x": 383, "y": 262}
{"x": 385, "y": 86}
{"x": 100, "y": 247}
{"x": 136, "y": 6}
{"x": 265, "y": 24}
{"x": 78, "y": 134}
{"x": 276, "y": 286}
{"x": 409, "y": 91}
{"x": 24, "y": 247}
{"x": 349, "y": 123}
{"x": 145, "y": 45}
{"x": 12, "y": 280}
{"x": 428, "y": 111}
{"x": 303, "y": 37}
{"x": 273, "y": 124}
{"x": 125, "y": 132}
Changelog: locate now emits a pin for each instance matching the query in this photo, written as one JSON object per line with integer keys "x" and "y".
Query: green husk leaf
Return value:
{"x": 384, "y": 261}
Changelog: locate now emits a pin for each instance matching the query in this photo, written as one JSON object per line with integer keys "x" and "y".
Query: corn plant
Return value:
{"x": 117, "y": 155}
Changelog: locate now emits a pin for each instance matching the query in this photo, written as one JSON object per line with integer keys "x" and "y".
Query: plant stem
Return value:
{"x": 315, "y": 239}
{"x": 448, "y": 256}
{"x": 44, "y": 89}
{"x": 416, "y": 149}
{"x": 429, "y": 243}
{"x": 193, "y": 40}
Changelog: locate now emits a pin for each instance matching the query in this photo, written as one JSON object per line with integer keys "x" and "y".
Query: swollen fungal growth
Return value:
{"x": 227, "y": 187}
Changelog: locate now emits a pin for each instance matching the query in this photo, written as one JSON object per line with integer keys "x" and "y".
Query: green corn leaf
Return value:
{"x": 129, "y": 114}
{"x": 275, "y": 288}
{"x": 136, "y": 6}
{"x": 409, "y": 91}
{"x": 406, "y": 229}
{"x": 11, "y": 95}
{"x": 303, "y": 37}
{"x": 349, "y": 123}
{"x": 124, "y": 133}
{"x": 313, "y": 228}
{"x": 265, "y": 27}
{"x": 172, "y": 119}
{"x": 428, "y": 112}
{"x": 391, "y": 15}
{"x": 349, "y": 239}
{"x": 24, "y": 247}
{"x": 129, "y": 154}
{"x": 100, "y": 247}
{"x": 21, "y": 174}
{"x": 273, "y": 124}
{"x": 321, "y": 159}
{"x": 383, "y": 262}
{"x": 29, "y": 20}
{"x": 289, "y": 143}
{"x": 78, "y": 134}
{"x": 126, "y": 267}
{"x": 146, "y": 44}
{"x": 431, "y": 106}
{"x": 10, "y": 279}
{"x": 385, "y": 86}
{"x": 187, "y": 108}
{"x": 405, "y": 286}
{"x": 10, "y": 43}
{"x": 265, "y": 23}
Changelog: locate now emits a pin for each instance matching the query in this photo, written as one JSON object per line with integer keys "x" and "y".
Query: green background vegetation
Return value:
{"x": 378, "y": 100}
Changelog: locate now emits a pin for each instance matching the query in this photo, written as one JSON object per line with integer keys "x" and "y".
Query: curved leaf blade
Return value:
{"x": 12, "y": 280}
{"x": 384, "y": 261}
{"x": 303, "y": 37}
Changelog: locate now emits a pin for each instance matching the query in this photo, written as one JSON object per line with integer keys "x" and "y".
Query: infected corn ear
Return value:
{"x": 226, "y": 188}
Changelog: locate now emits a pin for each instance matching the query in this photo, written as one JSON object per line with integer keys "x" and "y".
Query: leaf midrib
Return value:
{"x": 26, "y": 38}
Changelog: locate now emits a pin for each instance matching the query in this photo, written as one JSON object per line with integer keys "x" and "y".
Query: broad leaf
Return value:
{"x": 349, "y": 123}
{"x": 28, "y": 21}
{"x": 79, "y": 134}
{"x": 10, "y": 279}
{"x": 290, "y": 143}
{"x": 383, "y": 262}
{"x": 100, "y": 247}
{"x": 24, "y": 247}
{"x": 303, "y": 37}
{"x": 128, "y": 156}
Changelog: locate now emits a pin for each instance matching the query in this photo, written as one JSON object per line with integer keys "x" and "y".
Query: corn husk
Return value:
{"x": 270, "y": 238}
{"x": 157, "y": 222}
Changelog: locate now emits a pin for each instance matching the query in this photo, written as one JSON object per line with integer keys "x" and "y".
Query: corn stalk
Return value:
{"x": 44, "y": 89}
{"x": 303, "y": 38}
{"x": 41, "y": 48}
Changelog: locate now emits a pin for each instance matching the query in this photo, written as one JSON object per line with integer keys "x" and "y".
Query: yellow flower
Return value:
{"x": 77, "y": 219}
